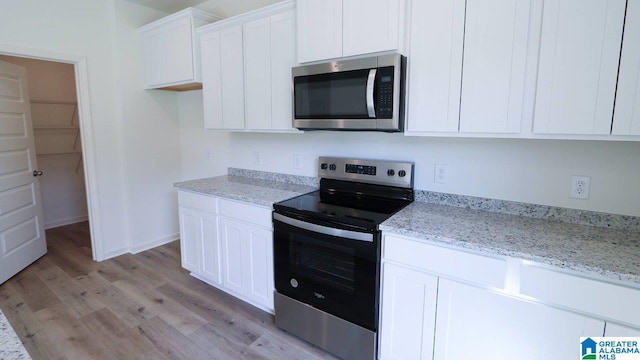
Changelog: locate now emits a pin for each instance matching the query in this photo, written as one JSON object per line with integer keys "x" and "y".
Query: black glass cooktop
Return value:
{"x": 349, "y": 205}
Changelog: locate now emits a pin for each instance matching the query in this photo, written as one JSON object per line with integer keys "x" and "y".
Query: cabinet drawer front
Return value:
{"x": 246, "y": 212}
{"x": 581, "y": 294}
{"x": 483, "y": 270}
{"x": 196, "y": 201}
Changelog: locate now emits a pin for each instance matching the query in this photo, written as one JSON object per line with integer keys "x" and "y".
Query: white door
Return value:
{"x": 231, "y": 236}
{"x": 370, "y": 26}
{"x": 319, "y": 24}
{"x": 257, "y": 72}
{"x": 22, "y": 239}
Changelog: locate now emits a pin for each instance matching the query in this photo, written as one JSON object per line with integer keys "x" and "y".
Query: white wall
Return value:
{"x": 150, "y": 134}
{"x": 62, "y": 187}
{"x": 531, "y": 171}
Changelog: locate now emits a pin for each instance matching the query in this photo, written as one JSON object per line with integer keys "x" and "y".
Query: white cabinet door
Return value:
{"x": 470, "y": 320}
{"x": 232, "y": 79}
{"x": 370, "y": 26}
{"x": 408, "y": 311}
{"x": 578, "y": 67}
{"x": 283, "y": 58}
{"x": 435, "y": 65}
{"x": 493, "y": 74}
{"x": 179, "y": 50}
{"x": 319, "y": 29}
{"x": 190, "y": 237}
{"x": 210, "y": 249}
{"x": 257, "y": 71}
{"x": 231, "y": 236}
{"x": 626, "y": 119}
{"x": 155, "y": 59}
{"x": 223, "y": 79}
{"x": 211, "y": 80}
{"x": 258, "y": 260}
{"x": 613, "y": 329}
{"x": 248, "y": 261}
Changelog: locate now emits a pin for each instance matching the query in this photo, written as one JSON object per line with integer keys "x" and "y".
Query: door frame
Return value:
{"x": 86, "y": 132}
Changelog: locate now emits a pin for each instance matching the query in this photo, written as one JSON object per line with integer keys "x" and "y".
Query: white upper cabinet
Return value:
{"x": 283, "y": 58}
{"x": 269, "y": 55}
{"x": 246, "y": 67}
{"x": 222, "y": 76}
{"x": 435, "y": 65}
{"x": 578, "y": 66}
{"x": 626, "y": 119}
{"x": 329, "y": 29}
{"x": 319, "y": 29}
{"x": 257, "y": 69}
{"x": 493, "y": 72}
{"x": 370, "y": 26}
{"x": 481, "y": 91}
{"x": 171, "y": 54}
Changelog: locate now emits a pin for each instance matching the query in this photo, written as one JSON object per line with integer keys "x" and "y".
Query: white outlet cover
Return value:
{"x": 580, "y": 186}
{"x": 441, "y": 174}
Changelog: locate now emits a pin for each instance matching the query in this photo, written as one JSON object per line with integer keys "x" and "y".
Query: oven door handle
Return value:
{"x": 347, "y": 234}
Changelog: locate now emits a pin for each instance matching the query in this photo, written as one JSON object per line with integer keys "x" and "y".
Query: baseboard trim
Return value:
{"x": 69, "y": 221}
{"x": 155, "y": 243}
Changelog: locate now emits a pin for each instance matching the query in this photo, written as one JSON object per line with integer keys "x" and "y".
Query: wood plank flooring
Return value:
{"x": 143, "y": 306}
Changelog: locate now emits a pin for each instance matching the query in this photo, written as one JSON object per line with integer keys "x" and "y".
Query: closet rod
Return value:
{"x": 53, "y": 102}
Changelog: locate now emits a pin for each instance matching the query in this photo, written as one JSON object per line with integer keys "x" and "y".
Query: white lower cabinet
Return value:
{"x": 475, "y": 323}
{"x": 446, "y": 303}
{"x": 408, "y": 313}
{"x": 190, "y": 237}
{"x": 229, "y": 247}
{"x": 248, "y": 260}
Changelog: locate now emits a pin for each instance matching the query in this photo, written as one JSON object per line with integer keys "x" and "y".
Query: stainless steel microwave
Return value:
{"x": 360, "y": 94}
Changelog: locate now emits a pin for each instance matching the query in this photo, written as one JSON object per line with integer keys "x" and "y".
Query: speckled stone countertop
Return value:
{"x": 251, "y": 190}
{"x": 592, "y": 251}
{"x": 10, "y": 346}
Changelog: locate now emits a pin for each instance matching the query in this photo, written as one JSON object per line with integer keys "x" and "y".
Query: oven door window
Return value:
{"x": 334, "y": 274}
{"x": 325, "y": 263}
{"x": 340, "y": 95}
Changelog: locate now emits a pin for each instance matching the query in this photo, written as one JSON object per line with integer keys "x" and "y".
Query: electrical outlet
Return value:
{"x": 580, "y": 187}
{"x": 441, "y": 174}
{"x": 258, "y": 158}
{"x": 297, "y": 162}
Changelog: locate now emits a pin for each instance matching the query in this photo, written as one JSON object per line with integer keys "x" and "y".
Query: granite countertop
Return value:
{"x": 256, "y": 191}
{"x": 592, "y": 251}
{"x": 10, "y": 346}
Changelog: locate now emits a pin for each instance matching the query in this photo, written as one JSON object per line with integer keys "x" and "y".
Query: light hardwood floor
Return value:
{"x": 143, "y": 306}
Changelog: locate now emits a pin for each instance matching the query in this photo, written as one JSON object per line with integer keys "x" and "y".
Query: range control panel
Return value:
{"x": 382, "y": 172}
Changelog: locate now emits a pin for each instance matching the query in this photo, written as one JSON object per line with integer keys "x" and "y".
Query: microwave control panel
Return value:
{"x": 384, "y": 79}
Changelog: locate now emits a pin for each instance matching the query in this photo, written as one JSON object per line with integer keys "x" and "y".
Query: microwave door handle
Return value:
{"x": 371, "y": 81}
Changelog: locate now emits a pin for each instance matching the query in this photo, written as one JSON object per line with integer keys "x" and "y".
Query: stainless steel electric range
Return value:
{"x": 327, "y": 253}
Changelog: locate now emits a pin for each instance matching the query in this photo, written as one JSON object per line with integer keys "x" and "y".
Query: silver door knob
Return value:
{"x": 37, "y": 173}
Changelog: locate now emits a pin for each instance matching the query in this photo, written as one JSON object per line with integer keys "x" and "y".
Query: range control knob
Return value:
{"x": 332, "y": 167}
{"x": 324, "y": 166}
{"x": 402, "y": 173}
{"x": 391, "y": 172}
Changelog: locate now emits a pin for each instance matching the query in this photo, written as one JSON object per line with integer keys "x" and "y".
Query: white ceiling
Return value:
{"x": 223, "y": 8}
